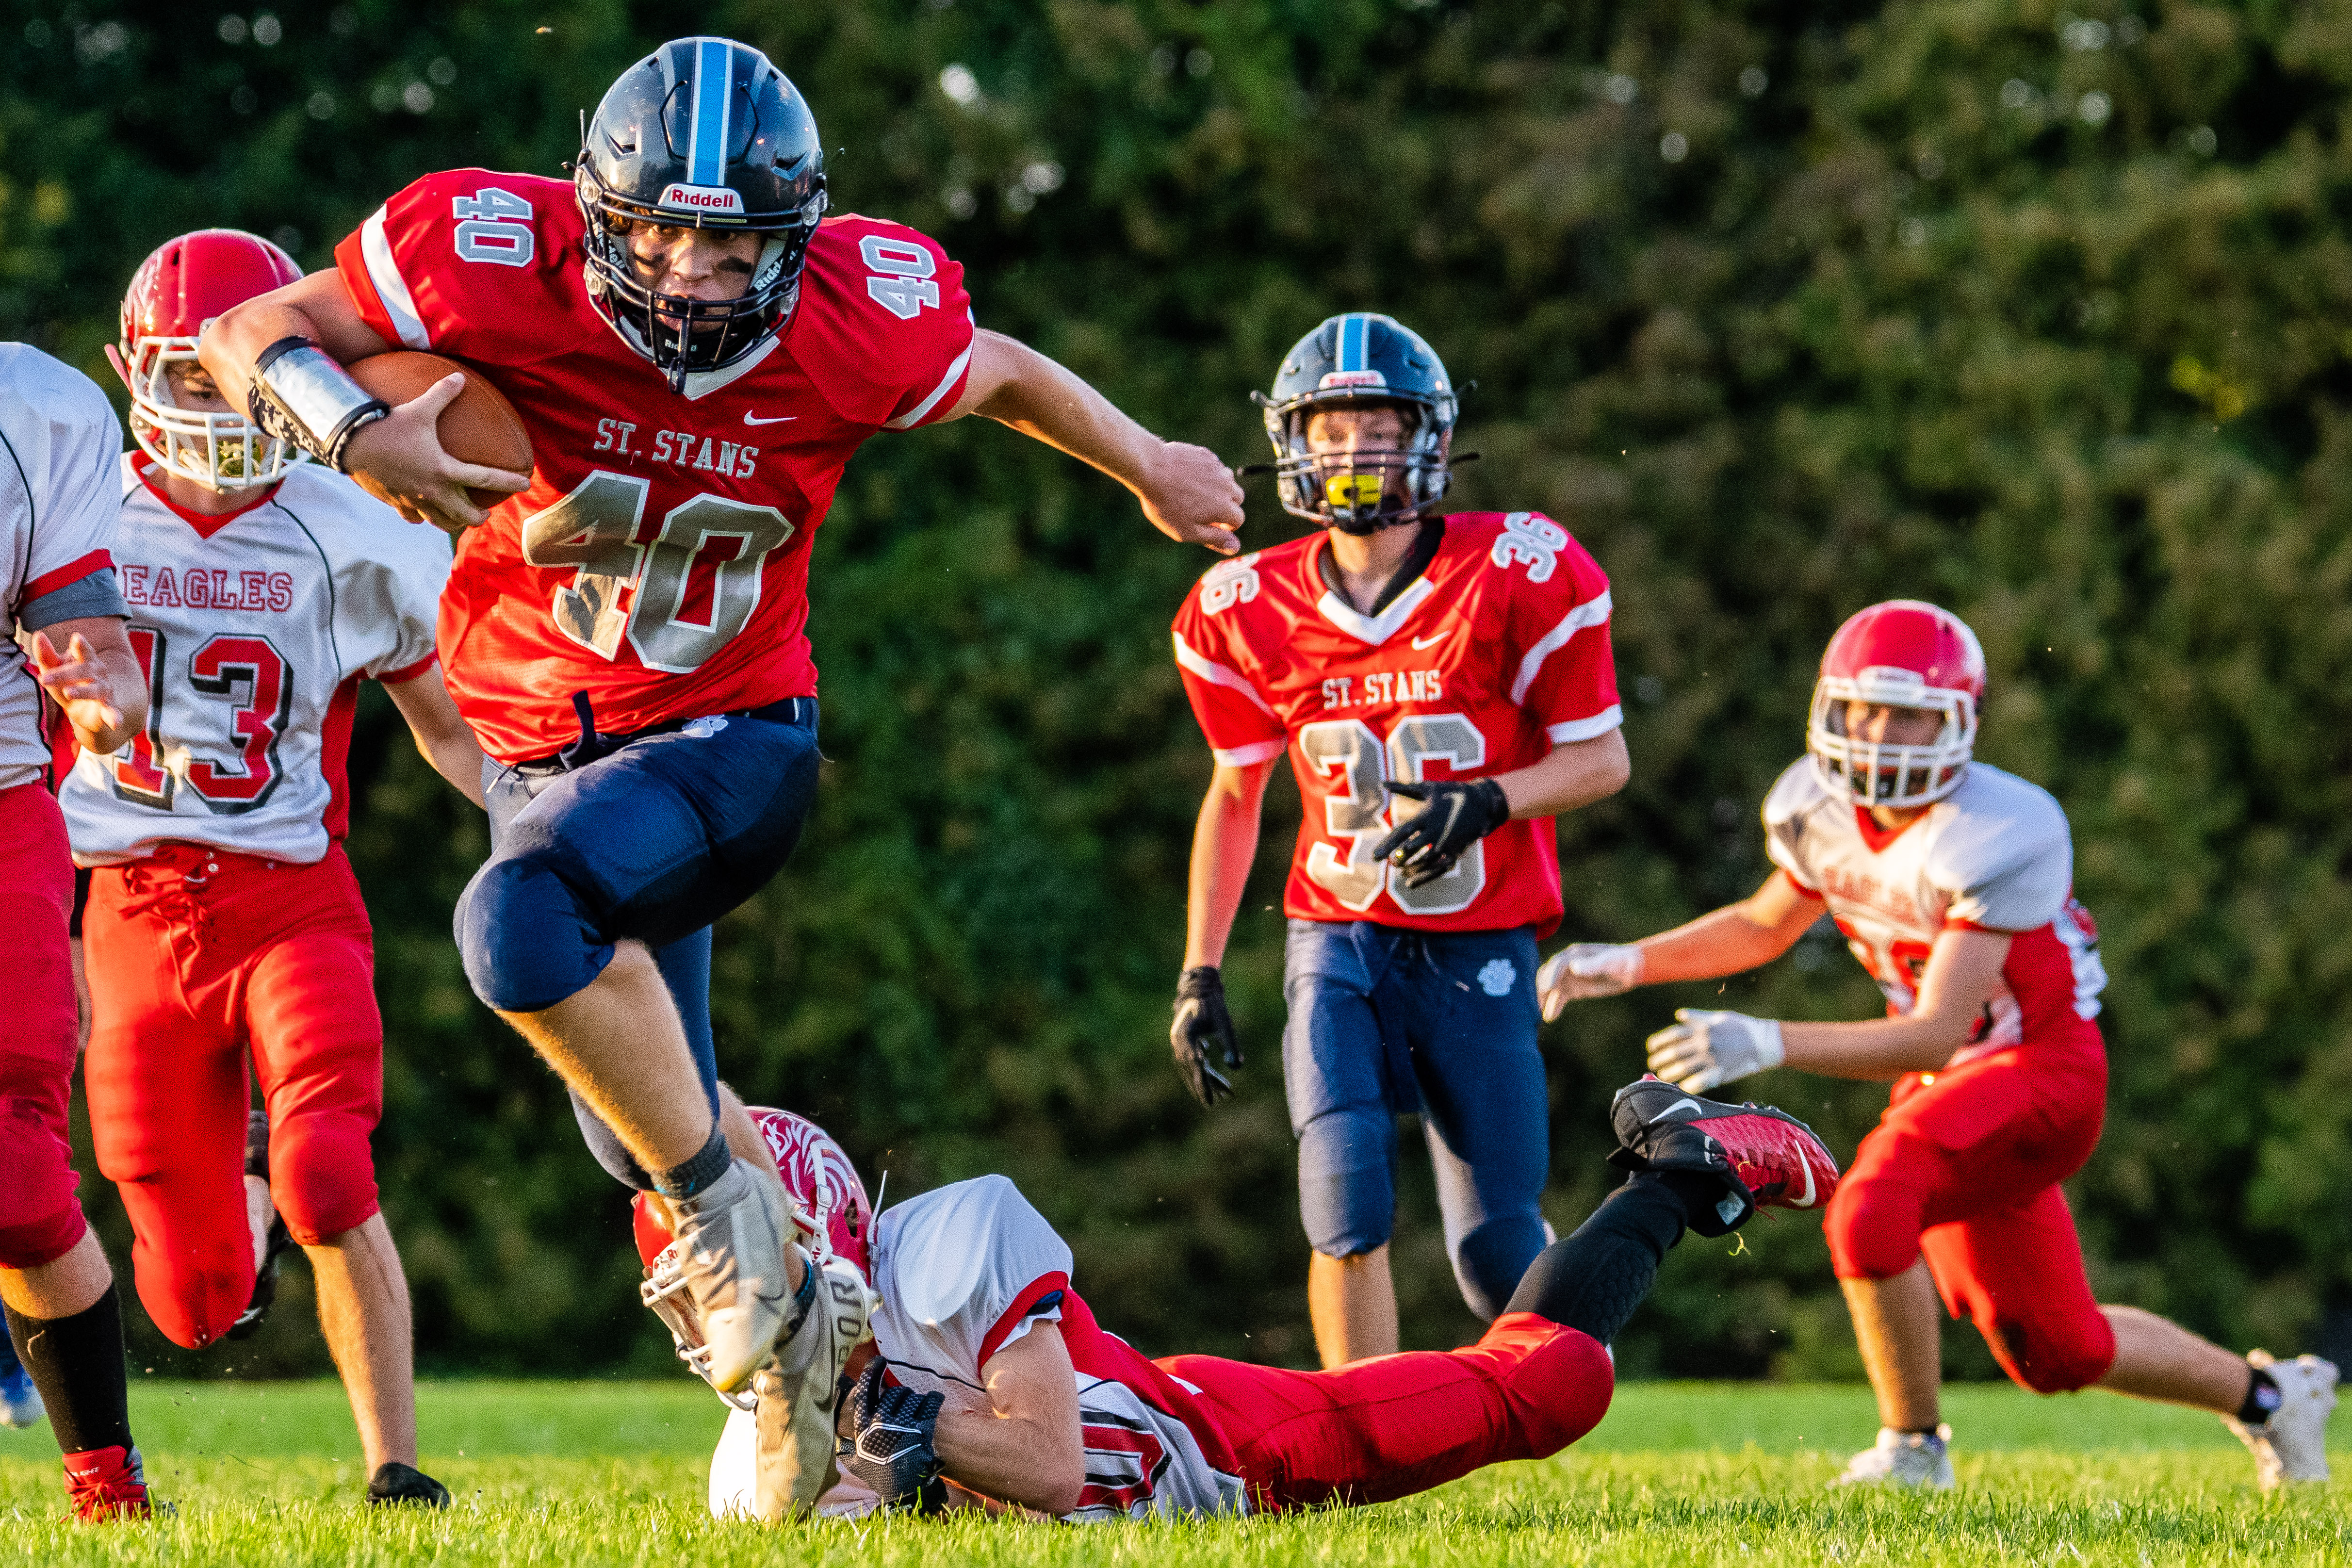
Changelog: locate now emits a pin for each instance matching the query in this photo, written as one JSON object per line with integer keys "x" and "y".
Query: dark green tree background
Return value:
{"x": 1782, "y": 308}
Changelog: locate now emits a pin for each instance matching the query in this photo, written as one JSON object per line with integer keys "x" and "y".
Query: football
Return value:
{"x": 481, "y": 427}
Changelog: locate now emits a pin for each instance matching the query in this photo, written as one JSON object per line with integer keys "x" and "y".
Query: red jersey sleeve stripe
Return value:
{"x": 390, "y": 288}
{"x": 66, "y": 577}
{"x": 1249, "y": 756}
{"x": 1216, "y": 674}
{"x": 1591, "y": 613}
{"x": 1036, "y": 1290}
{"x": 1798, "y": 883}
{"x": 1978, "y": 925}
{"x": 399, "y": 677}
{"x": 949, "y": 383}
{"x": 1601, "y": 723}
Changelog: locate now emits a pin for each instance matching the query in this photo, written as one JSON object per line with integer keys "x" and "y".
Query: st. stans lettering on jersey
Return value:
{"x": 253, "y": 632}
{"x": 1497, "y": 654}
{"x": 658, "y": 562}
{"x": 1993, "y": 855}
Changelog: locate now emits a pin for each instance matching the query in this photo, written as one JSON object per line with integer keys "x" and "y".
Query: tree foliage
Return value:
{"x": 2042, "y": 313}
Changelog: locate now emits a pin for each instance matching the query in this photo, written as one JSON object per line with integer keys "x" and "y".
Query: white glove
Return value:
{"x": 1583, "y": 970}
{"x": 1704, "y": 1049}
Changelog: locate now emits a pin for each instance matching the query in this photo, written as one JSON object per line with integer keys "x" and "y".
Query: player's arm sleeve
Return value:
{"x": 935, "y": 345}
{"x": 968, "y": 1269}
{"x": 1787, "y": 810}
{"x": 408, "y": 582}
{"x": 70, "y": 564}
{"x": 411, "y": 285}
{"x": 1242, "y": 726}
{"x": 2028, "y": 872}
{"x": 1565, "y": 675}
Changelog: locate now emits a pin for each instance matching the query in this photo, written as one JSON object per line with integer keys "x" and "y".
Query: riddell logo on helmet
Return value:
{"x": 1352, "y": 378}
{"x": 703, "y": 199}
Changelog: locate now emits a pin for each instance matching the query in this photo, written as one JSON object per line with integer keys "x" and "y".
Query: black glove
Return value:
{"x": 1202, "y": 1022}
{"x": 891, "y": 1450}
{"x": 1458, "y": 815}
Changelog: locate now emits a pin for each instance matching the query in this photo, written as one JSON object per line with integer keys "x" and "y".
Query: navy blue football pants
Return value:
{"x": 654, "y": 841}
{"x": 1386, "y": 1022}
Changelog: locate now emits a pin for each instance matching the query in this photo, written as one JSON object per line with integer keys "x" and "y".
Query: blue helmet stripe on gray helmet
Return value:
{"x": 705, "y": 157}
{"x": 702, "y": 134}
{"x": 1358, "y": 359}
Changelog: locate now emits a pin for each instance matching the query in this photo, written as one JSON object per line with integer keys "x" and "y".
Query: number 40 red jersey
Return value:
{"x": 1498, "y": 652}
{"x": 659, "y": 560}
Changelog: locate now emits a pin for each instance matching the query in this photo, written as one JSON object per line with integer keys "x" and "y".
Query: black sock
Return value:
{"x": 685, "y": 1180}
{"x": 1593, "y": 1280}
{"x": 76, "y": 1364}
{"x": 2263, "y": 1399}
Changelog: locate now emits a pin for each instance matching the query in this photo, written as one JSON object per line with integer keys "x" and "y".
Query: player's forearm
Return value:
{"x": 1049, "y": 402}
{"x": 1224, "y": 848}
{"x": 1012, "y": 1459}
{"x": 1729, "y": 941}
{"x": 1877, "y": 1048}
{"x": 317, "y": 307}
{"x": 1573, "y": 774}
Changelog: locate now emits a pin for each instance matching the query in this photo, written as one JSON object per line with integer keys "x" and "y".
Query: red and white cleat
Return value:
{"x": 110, "y": 1484}
{"x": 1766, "y": 1156}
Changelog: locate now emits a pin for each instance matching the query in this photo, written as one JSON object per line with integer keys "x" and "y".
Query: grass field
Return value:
{"x": 613, "y": 1473}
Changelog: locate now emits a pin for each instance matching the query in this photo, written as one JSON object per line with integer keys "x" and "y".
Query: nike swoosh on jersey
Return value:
{"x": 751, "y": 418}
{"x": 1421, "y": 643}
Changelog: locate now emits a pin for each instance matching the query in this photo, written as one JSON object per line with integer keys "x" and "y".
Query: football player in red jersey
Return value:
{"x": 991, "y": 1384}
{"x": 1953, "y": 883}
{"x": 696, "y": 350}
{"x": 223, "y": 923}
{"x": 1460, "y": 663}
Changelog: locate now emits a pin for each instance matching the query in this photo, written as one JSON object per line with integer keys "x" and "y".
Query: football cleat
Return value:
{"x": 395, "y": 1483}
{"x": 732, "y": 1239}
{"x": 798, "y": 1392}
{"x": 1764, "y": 1156}
{"x": 1920, "y": 1459}
{"x": 2292, "y": 1446}
{"x": 110, "y": 1484}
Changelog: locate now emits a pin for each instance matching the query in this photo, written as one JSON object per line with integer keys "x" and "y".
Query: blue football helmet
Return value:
{"x": 1352, "y": 361}
{"x": 702, "y": 134}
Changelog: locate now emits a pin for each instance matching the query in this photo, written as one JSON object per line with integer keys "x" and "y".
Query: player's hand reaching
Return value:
{"x": 891, "y": 1447}
{"x": 399, "y": 460}
{"x": 1459, "y": 813}
{"x": 1192, "y": 497}
{"x": 1202, "y": 1025}
{"x": 1584, "y": 969}
{"x": 1703, "y": 1049}
{"x": 96, "y": 694}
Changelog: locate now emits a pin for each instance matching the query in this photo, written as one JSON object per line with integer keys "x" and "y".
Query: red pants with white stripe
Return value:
{"x": 40, "y": 1219}
{"x": 1963, "y": 1170}
{"x": 1398, "y": 1425}
{"x": 197, "y": 959}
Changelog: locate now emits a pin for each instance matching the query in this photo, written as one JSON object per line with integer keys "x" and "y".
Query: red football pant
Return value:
{"x": 193, "y": 959}
{"x": 1398, "y": 1425}
{"x": 1964, "y": 1169}
{"x": 40, "y": 1219}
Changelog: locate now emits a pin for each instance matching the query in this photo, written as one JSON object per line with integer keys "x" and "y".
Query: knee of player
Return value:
{"x": 2055, "y": 1358}
{"x": 1348, "y": 1215}
{"x": 1490, "y": 1259}
{"x": 527, "y": 941}
{"x": 1872, "y": 1232}
{"x": 322, "y": 1177}
{"x": 1557, "y": 1381}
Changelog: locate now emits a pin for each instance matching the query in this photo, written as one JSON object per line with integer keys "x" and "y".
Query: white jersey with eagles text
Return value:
{"x": 58, "y": 502}
{"x": 965, "y": 1270}
{"x": 254, "y": 629}
{"x": 1994, "y": 855}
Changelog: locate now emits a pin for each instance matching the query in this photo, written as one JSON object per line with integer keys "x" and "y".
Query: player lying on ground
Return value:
{"x": 1460, "y": 665}
{"x": 62, "y": 614}
{"x": 695, "y": 350}
{"x": 1953, "y": 884}
{"x": 222, "y": 921}
{"x": 991, "y": 1383}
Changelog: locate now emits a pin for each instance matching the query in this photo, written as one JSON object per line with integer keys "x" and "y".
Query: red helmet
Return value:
{"x": 836, "y": 1220}
{"x": 1900, "y": 653}
{"x": 184, "y": 284}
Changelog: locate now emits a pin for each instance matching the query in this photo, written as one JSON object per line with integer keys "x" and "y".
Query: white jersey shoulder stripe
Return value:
{"x": 390, "y": 287}
{"x": 1250, "y": 756}
{"x": 1593, "y": 612}
{"x": 1216, "y": 674}
{"x": 1610, "y": 717}
{"x": 914, "y": 416}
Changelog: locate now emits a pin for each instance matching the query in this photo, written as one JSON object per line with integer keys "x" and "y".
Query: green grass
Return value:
{"x": 597, "y": 1473}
